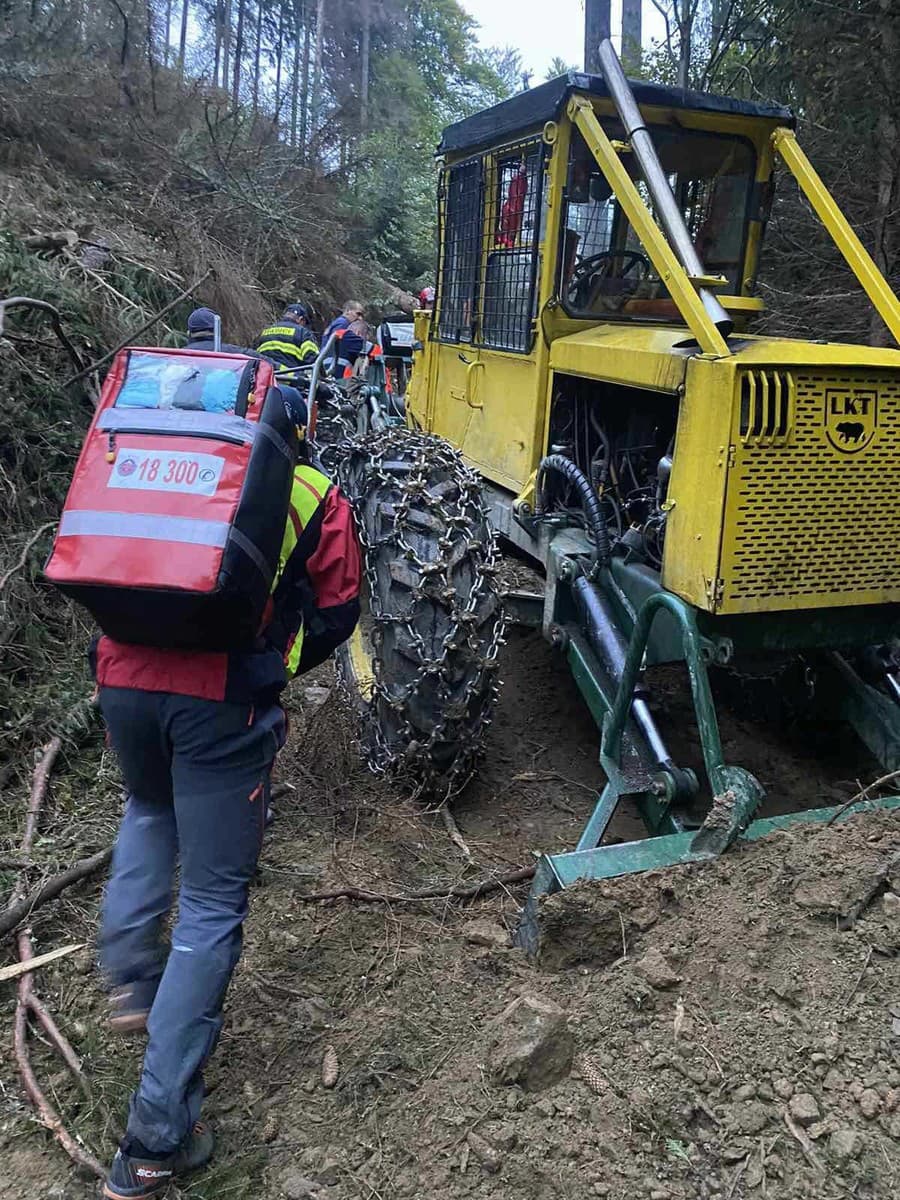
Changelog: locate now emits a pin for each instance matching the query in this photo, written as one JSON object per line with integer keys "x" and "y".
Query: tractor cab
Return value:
{"x": 548, "y": 230}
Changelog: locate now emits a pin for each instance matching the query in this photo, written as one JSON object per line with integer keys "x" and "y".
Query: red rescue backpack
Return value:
{"x": 172, "y": 528}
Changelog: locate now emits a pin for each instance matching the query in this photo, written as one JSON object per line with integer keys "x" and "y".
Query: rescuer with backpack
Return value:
{"x": 219, "y": 564}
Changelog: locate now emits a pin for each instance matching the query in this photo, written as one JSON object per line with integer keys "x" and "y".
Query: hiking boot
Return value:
{"x": 128, "y": 1014}
{"x": 197, "y": 1150}
{"x": 132, "y": 1177}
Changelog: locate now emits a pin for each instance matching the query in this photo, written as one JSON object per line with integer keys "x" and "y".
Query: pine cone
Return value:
{"x": 329, "y": 1067}
{"x": 591, "y": 1074}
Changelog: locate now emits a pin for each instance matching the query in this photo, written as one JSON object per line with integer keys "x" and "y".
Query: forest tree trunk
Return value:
{"x": 366, "y": 40}
{"x": 315, "y": 115}
{"x": 887, "y": 152}
{"x": 182, "y": 40}
{"x": 256, "y": 57}
{"x": 238, "y": 51}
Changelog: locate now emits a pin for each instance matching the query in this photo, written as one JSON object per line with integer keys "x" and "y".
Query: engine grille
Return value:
{"x": 812, "y": 516}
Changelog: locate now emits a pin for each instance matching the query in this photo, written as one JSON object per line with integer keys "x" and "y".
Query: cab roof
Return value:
{"x": 548, "y": 101}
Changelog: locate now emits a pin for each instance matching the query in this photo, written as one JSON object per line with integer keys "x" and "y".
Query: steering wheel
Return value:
{"x": 591, "y": 273}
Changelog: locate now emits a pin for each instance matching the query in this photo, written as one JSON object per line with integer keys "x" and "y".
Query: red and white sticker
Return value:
{"x": 166, "y": 471}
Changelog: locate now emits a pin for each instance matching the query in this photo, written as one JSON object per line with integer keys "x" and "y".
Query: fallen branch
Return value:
{"x": 473, "y": 892}
{"x": 27, "y": 1001}
{"x": 55, "y": 322}
{"x": 23, "y": 557}
{"x": 51, "y": 888}
{"x": 137, "y": 332}
{"x": 863, "y": 795}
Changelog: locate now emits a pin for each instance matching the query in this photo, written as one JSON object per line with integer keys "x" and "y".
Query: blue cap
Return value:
{"x": 202, "y": 320}
{"x": 297, "y": 310}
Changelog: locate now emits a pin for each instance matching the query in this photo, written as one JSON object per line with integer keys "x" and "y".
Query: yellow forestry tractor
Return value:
{"x": 586, "y": 391}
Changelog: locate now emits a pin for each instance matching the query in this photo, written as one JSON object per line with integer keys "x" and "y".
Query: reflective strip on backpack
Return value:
{"x": 87, "y": 522}
{"x": 190, "y": 422}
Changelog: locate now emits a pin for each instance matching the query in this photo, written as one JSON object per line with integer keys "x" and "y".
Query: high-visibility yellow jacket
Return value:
{"x": 288, "y": 345}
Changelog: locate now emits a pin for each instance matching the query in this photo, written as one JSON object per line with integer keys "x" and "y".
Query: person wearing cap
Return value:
{"x": 290, "y": 343}
{"x": 201, "y": 333}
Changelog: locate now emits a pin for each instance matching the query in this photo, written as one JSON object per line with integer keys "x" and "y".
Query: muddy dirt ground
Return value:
{"x": 723, "y": 1032}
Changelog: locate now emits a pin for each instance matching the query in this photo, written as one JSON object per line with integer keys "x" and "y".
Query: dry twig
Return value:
{"x": 22, "y": 968}
{"x": 23, "y": 557}
{"x": 484, "y": 888}
{"x": 27, "y": 1001}
{"x": 859, "y": 978}
{"x": 453, "y": 830}
{"x": 804, "y": 1143}
{"x": 137, "y": 332}
{"x": 862, "y": 795}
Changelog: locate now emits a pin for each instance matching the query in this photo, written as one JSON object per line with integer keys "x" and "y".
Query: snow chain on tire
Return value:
{"x": 433, "y": 622}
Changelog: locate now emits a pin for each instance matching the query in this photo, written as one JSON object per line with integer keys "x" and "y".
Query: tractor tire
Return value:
{"x": 421, "y": 667}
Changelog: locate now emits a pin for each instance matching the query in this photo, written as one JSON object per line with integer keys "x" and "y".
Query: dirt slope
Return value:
{"x": 729, "y": 1038}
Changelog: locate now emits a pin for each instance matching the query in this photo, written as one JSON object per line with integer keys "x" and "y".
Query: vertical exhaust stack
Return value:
{"x": 666, "y": 207}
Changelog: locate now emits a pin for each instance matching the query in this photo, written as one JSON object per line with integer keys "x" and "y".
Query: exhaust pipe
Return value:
{"x": 667, "y": 209}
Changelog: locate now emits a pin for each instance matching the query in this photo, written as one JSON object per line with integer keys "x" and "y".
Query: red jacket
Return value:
{"x": 315, "y": 602}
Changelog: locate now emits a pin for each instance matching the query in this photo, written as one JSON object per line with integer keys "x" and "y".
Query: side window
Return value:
{"x": 460, "y": 251}
{"x": 514, "y": 219}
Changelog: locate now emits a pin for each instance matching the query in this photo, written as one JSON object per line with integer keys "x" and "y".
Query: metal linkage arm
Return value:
{"x": 661, "y": 254}
{"x": 857, "y": 257}
{"x": 704, "y": 707}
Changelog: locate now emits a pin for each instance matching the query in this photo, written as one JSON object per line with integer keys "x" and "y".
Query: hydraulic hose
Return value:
{"x": 590, "y": 502}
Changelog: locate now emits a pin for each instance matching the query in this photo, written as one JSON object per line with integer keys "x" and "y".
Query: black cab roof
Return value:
{"x": 534, "y": 107}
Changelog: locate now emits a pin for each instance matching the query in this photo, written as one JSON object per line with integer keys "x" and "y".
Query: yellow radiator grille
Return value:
{"x": 767, "y": 407}
{"x": 813, "y": 502}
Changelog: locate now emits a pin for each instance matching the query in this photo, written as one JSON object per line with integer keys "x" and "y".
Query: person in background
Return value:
{"x": 290, "y": 343}
{"x": 201, "y": 333}
{"x": 426, "y": 298}
{"x": 352, "y": 322}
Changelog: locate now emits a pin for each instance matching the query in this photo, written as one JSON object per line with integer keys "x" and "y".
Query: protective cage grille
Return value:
{"x": 813, "y": 517}
{"x": 461, "y": 231}
{"x": 490, "y": 232}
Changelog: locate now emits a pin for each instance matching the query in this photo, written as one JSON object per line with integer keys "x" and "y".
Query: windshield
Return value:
{"x": 603, "y": 267}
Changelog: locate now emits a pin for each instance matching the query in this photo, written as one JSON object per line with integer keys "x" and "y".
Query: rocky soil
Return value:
{"x": 724, "y": 1031}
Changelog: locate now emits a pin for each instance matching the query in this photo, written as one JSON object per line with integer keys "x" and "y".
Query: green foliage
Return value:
{"x": 559, "y": 66}
{"x": 428, "y": 73}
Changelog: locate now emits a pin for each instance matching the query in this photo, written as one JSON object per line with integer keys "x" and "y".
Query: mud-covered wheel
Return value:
{"x": 421, "y": 667}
